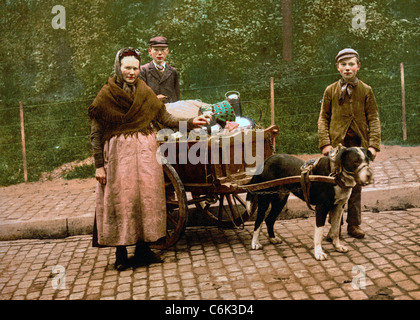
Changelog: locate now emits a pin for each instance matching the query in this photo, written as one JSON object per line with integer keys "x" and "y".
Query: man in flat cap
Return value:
{"x": 159, "y": 75}
{"x": 349, "y": 115}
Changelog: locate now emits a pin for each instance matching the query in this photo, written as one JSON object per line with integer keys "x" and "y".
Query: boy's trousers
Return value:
{"x": 354, "y": 205}
{"x": 354, "y": 213}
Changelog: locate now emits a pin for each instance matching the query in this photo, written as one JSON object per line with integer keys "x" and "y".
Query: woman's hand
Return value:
{"x": 100, "y": 175}
{"x": 326, "y": 149}
{"x": 199, "y": 121}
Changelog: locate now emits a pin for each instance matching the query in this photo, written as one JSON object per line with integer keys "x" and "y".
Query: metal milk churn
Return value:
{"x": 233, "y": 97}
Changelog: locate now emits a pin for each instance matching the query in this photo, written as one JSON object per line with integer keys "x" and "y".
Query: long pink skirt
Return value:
{"x": 131, "y": 207}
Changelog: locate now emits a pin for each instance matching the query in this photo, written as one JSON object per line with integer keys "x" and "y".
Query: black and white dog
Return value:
{"x": 350, "y": 166}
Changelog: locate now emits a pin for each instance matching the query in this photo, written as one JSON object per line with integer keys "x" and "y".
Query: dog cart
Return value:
{"x": 216, "y": 184}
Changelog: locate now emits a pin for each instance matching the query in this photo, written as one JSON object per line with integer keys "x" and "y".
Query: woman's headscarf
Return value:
{"x": 125, "y": 52}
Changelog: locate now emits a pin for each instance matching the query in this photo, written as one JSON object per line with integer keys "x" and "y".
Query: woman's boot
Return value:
{"x": 121, "y": 258}
{"x": 143, "y": 255}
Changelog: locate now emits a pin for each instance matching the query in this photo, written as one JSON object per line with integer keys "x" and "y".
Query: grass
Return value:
{"x": 82, "y": 172}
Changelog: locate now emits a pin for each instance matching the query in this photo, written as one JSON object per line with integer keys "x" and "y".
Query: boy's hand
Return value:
{"x": 100, "y": 175}
{"x": 326, "y": 149}
{"x": 161, "y": 97}
{"x": 373, "y": 152}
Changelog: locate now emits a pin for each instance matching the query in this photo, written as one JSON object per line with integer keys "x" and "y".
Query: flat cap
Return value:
{"x": 158, "y": 42}
{"x": 346, "y": 53}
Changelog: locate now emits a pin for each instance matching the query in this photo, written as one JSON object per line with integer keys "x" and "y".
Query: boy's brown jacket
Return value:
{"x": 359, "y": 113}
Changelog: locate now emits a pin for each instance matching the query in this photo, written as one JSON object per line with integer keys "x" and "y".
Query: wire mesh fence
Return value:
{"x": 58, "y": 132}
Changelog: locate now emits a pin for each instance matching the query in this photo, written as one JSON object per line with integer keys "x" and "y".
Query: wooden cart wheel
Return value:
{"x": 176, "y": 208}
{"x": 224, "y": 210}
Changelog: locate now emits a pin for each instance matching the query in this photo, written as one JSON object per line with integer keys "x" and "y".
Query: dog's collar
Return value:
{"x": 344, "y": 178}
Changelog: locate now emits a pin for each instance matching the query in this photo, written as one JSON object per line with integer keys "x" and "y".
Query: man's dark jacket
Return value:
{"x": 167, "y": 84}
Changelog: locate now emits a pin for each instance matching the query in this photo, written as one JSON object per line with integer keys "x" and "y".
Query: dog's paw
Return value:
{"x": 319, "y": 254}
{"x": 275, "y": 240}
{"x": 341, "y": 248}
{"x": 256, "y": 245}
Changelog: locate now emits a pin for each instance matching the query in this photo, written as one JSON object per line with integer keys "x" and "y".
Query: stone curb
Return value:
{"x": 47, "y": 229}
{"x": 373, "y": 199}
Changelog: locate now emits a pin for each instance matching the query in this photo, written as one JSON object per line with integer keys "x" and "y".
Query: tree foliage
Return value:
{"x": 212, "y": 42}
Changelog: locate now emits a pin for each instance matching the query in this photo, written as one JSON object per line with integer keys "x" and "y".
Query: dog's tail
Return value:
{"x": 250, "y": 196}
{"x": 249, "y": 205}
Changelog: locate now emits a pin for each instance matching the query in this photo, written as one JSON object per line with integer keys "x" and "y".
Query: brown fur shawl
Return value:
{"x": 118, "y": 113}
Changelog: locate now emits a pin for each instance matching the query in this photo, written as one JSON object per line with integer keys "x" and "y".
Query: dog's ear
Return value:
{"x": 368, "y": 154}
{"x": 338, "y": 157}
{"x": 334, "y": 152}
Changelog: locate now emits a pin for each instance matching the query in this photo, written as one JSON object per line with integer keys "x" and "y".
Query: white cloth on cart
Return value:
{"x": 185, "y": 108}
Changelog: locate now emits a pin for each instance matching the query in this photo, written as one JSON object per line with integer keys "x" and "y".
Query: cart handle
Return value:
{"x": 286, "y": 180}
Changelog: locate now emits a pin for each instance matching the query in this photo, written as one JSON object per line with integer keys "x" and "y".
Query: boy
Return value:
{"x": 158, "y": 75}
{"x": 349, "y": 115}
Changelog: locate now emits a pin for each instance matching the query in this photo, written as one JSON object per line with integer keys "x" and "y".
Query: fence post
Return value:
{"x": 273, "y": 120}
{"x": 22, "y": 133}
{"x": 404, "y": 124}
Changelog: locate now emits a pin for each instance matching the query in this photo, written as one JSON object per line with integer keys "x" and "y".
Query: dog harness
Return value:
{"x": 338, "y": 172}
{"x": 305, "y": 183}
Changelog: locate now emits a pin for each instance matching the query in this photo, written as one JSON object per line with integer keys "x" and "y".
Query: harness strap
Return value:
{"x": 305, "y": 183}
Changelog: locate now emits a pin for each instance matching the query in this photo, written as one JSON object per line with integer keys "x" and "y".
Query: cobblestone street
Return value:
{"x": 46, "y": 252}
{"x": 213, "y": 263}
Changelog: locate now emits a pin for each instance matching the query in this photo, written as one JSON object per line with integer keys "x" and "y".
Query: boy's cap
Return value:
{"x": 158, "y": 42}
{"x": 346, "y": 53}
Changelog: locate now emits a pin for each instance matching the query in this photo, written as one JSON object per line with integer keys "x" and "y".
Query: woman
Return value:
{"x": 130, "y": 194}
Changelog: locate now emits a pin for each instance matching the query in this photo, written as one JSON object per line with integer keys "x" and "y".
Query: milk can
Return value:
{"x": 233, "y": 97}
